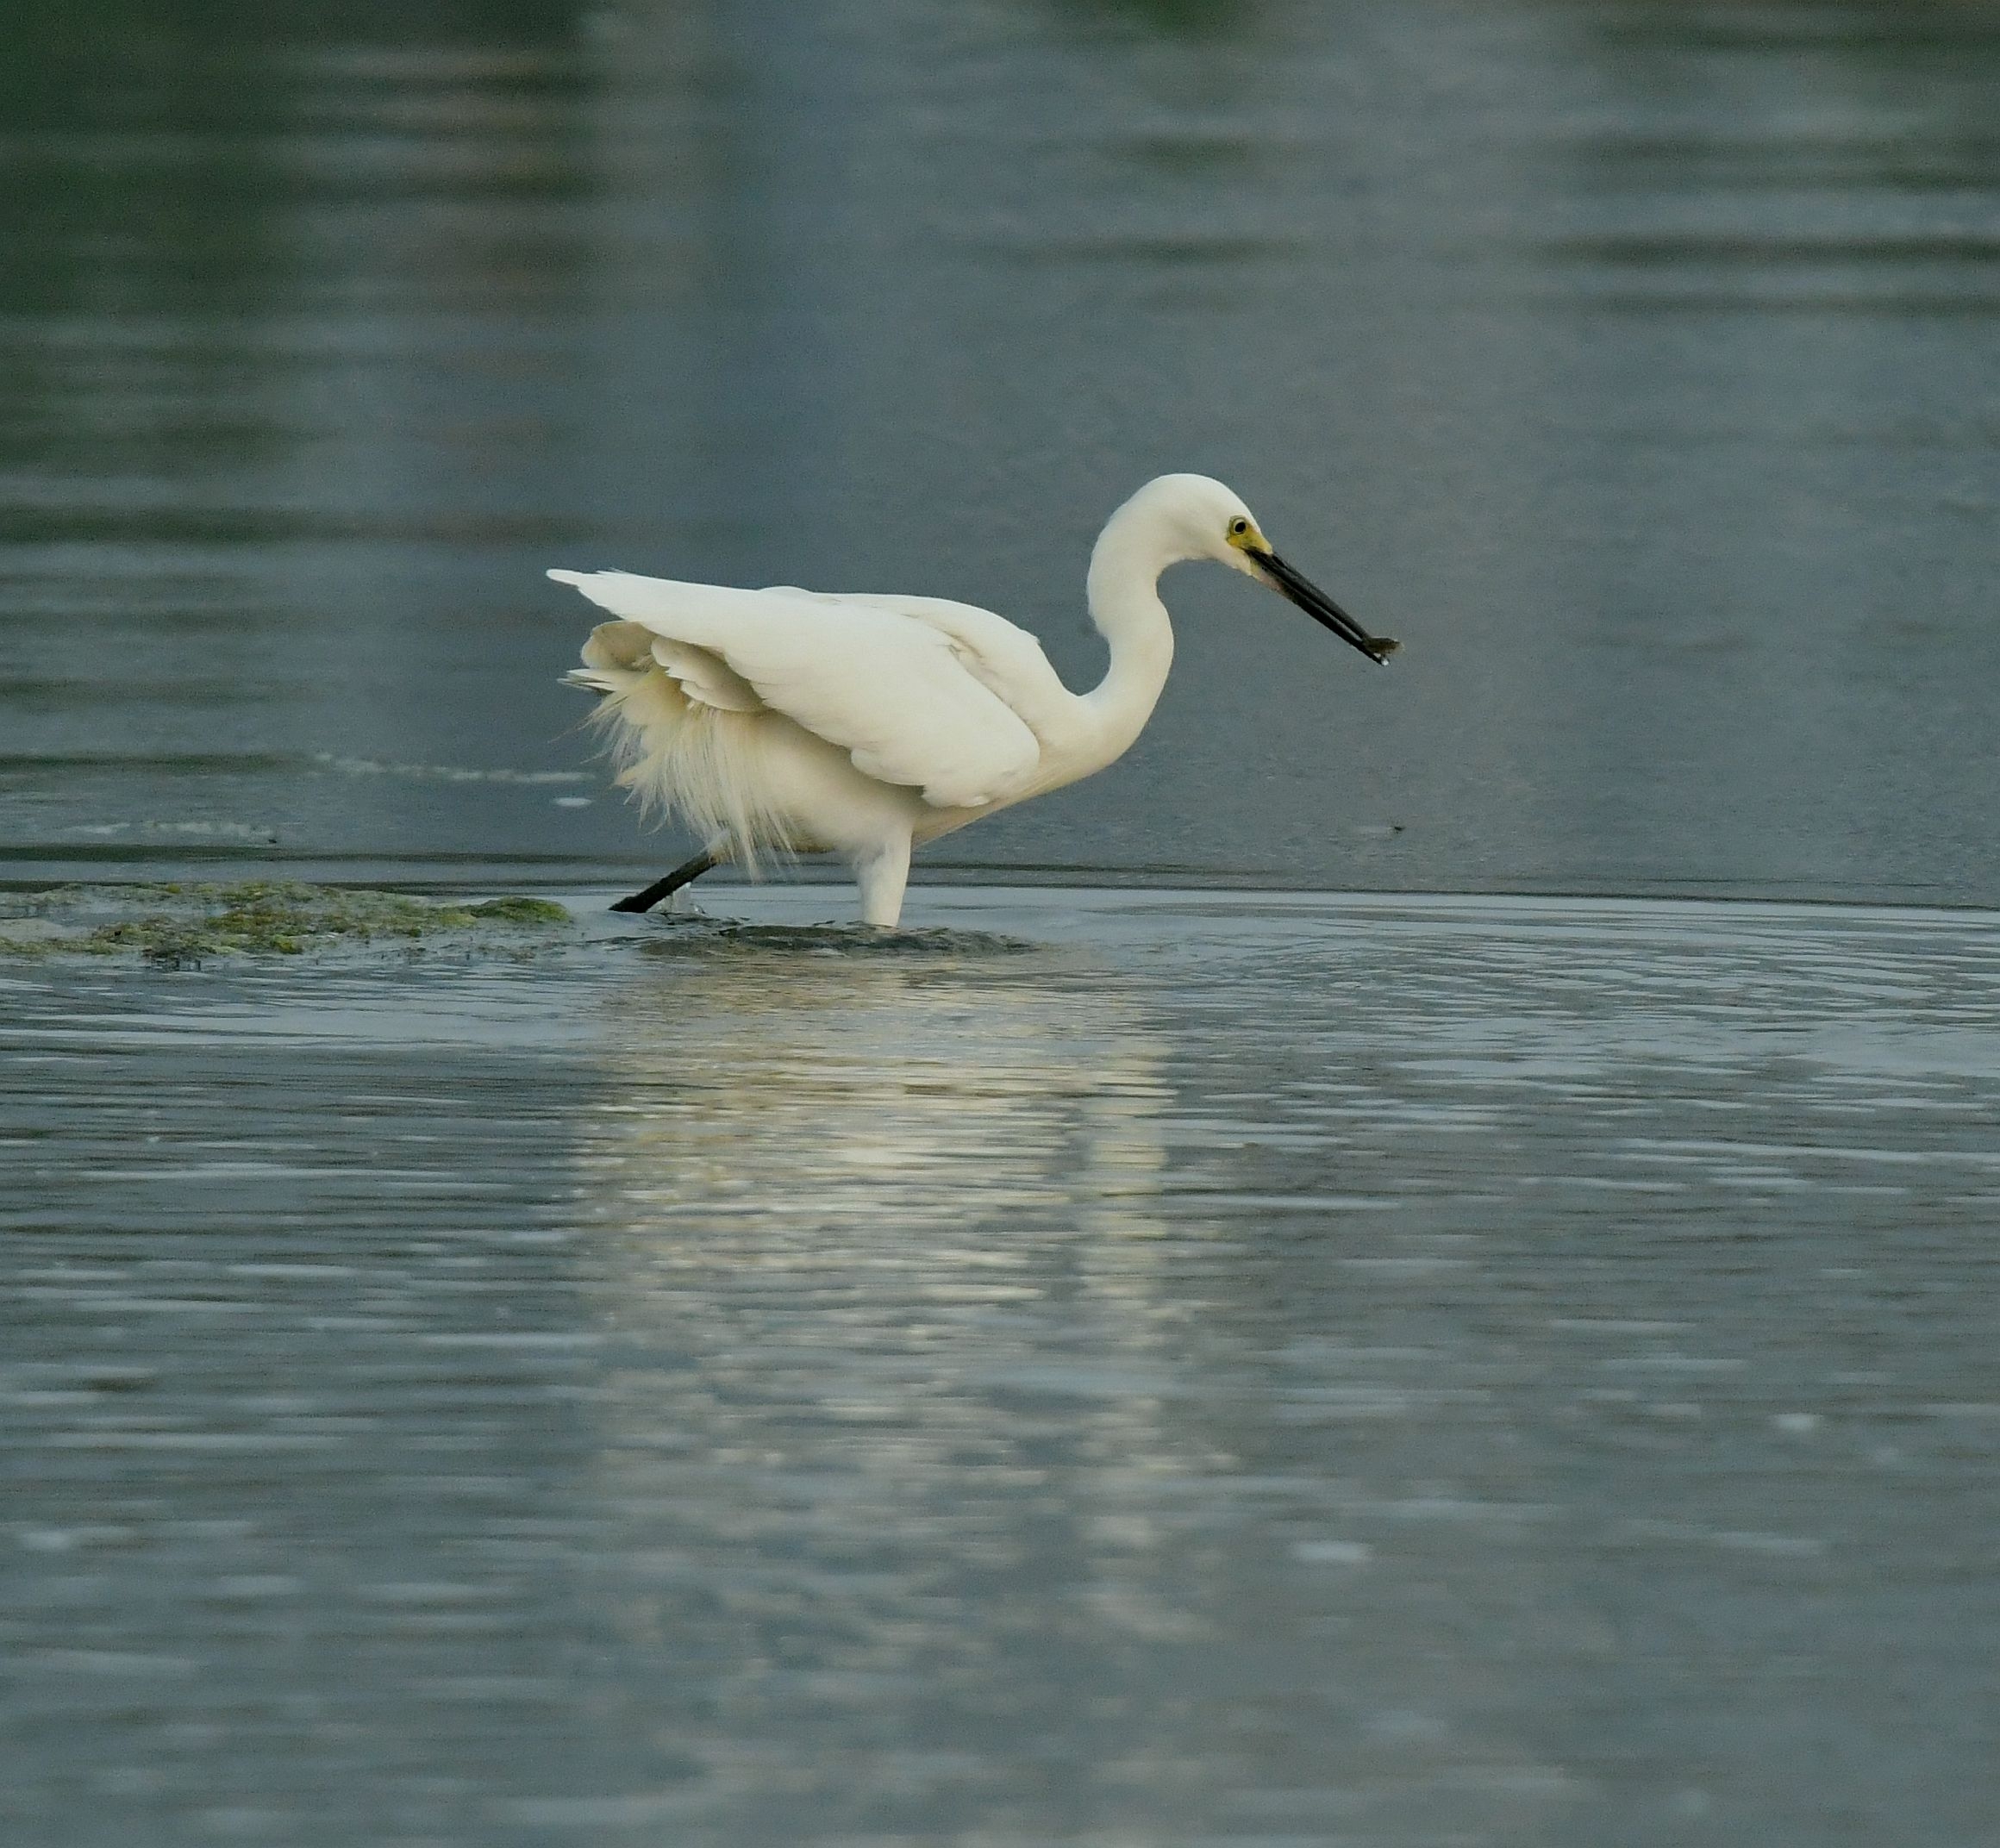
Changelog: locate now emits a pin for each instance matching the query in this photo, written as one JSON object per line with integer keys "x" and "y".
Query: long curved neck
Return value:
{"x": 1131, "y": 553}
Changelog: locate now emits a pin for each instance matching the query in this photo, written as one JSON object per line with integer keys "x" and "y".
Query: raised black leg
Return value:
{"x": 683, "y": 875}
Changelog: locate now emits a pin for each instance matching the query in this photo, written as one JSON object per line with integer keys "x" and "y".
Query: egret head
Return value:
{"x": 1211, "y": 522}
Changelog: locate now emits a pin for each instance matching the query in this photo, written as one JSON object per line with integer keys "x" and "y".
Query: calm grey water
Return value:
{"x": 1634, "y": 362}
{"x": 1145, "y": 1369}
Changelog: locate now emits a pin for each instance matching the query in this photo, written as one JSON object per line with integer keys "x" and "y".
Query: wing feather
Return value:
{"x": 705, "y": 677}
{"x": 897, "y": 692}
{"x": 1006, "y": 660}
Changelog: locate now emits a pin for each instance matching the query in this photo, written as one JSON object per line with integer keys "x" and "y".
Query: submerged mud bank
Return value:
{"x": 188, "y": 923}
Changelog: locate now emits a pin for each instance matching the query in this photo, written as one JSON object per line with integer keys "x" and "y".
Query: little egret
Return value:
{"x": 792, "y": 721}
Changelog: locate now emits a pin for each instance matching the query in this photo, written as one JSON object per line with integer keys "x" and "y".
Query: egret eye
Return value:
{"x": 1239, "y": 527}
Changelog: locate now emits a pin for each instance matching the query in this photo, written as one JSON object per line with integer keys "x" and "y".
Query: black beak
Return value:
{"x": 1321, "y": 608}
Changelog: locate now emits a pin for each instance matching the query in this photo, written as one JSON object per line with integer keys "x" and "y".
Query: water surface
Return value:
{"x": 1632, "y": 362}
{"x": 1153, "y": 1368}
{"x": 1136, "y": 1368}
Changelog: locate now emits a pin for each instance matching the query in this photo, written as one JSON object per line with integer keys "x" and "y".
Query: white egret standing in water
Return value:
{"x": 792, "y": 721}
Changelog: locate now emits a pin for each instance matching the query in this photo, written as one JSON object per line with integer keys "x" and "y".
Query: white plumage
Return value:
{"x": 795, "y": 721}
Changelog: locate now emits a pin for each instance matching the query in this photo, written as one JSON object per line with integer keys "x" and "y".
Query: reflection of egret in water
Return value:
{"x": 878, "y": 1233}
{"x": 830, "y": 1097}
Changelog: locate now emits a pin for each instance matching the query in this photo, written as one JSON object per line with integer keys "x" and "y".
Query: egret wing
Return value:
{"x": 705, "y": 677}
{"x": 616, "y": 655}
{"x": 891, "y": 690}
{"x": 1006, "y": 660}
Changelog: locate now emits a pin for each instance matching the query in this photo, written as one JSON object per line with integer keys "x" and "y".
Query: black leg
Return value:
{"x": 684, "y": 875}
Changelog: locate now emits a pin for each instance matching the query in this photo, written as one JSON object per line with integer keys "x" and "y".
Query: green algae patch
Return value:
{"x": 183, "y": 924}
{"x": 543, "y": 911}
